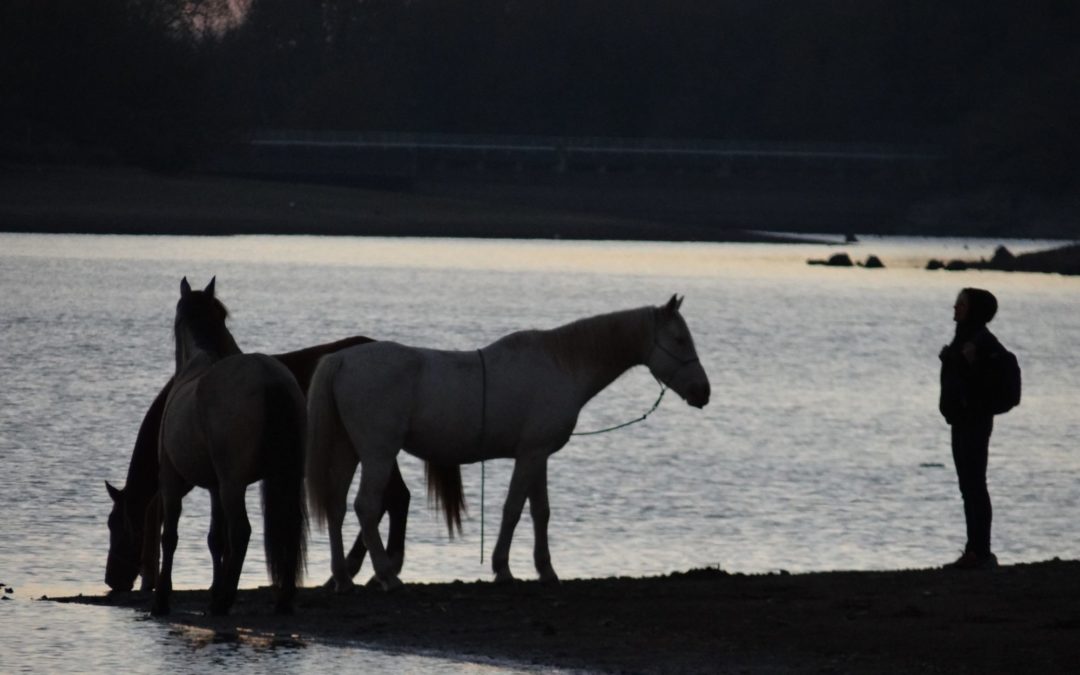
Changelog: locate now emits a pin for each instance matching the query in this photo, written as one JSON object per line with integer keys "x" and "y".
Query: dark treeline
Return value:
{"x": 994, "y": 81}
{"x": 112, "y": 80}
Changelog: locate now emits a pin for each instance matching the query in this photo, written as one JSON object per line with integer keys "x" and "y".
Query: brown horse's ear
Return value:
{"x": 113, "y": 492}
{"x": 209, "y": 290}
{"x": 185, "y": 287}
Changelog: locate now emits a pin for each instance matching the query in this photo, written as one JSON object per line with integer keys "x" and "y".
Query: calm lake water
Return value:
{"x": 821, "y": 449}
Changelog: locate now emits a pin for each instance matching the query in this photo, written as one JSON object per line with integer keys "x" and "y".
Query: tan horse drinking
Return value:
{"x": 231, "y": 419}
{"x": 517, "y": 398}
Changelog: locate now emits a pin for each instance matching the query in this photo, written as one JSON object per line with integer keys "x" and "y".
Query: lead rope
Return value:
{"x": 663, "y": 390}
{"x": 479, "y": 443}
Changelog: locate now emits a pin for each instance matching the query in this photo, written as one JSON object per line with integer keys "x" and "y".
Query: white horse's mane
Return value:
{"x": 611, "y": 340}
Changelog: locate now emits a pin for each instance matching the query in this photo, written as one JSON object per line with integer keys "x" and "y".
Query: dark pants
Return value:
{"x": 970, "y": 448}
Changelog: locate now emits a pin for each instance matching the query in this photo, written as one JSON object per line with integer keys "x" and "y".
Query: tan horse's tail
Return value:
{"x": 444, "y": 488}
{"x": 285, "y": 518}
{"x": 325, "y": 434}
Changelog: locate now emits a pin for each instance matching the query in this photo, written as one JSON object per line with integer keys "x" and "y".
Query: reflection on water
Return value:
{"x": 821, "y": 449}
{"x": 45, "y": 637}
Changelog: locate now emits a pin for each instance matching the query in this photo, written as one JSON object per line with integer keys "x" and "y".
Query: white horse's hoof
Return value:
{"x": 341, "y": 586}
{"x": 391, "y": 583}
{"x": 397, "y": 562}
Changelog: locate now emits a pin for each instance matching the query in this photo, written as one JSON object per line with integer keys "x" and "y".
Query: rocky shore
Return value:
{"x": 1063, "y": 260}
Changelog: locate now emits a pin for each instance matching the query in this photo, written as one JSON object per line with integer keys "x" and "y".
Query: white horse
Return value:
{"x": 518, "y": 398}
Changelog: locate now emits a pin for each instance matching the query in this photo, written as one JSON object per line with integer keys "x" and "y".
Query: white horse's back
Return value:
{"x": 428, "y": 399}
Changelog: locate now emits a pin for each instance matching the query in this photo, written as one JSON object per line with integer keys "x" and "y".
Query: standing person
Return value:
{"x": 964, "y": 403}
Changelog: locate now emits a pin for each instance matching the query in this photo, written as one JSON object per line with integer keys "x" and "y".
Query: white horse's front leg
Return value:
{"x": 521, "y": 480}
{"x": 541, "y": 513}
{"x": 374, "y": 475}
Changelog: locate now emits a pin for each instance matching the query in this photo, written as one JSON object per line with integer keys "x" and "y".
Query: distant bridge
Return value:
{"x": 355, "y": 156}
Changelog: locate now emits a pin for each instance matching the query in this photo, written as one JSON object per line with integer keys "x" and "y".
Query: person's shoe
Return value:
{"x": 988, "y": 562}
{"x": 973, "y": 561}
{"x": 966, "y": 561}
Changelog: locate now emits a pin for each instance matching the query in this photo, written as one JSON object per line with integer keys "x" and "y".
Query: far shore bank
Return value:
{"x": 1021, "y": 618}
{"x": 56, "y": 198}
{"x": 81, "y": 200}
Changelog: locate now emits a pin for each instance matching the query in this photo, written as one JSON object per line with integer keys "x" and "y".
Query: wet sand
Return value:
{"x": 1016, "y": 619}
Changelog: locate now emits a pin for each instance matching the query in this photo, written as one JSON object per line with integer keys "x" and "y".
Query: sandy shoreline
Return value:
{"x": 1017, "y": 619}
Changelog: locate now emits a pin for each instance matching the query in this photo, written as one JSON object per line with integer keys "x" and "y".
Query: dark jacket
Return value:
{"x": 964, "y": 385}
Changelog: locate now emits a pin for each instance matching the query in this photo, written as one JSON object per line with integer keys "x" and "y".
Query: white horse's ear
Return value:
{"x": 209, "y": 290}
{"x": 113, "y": 492}
{"x": 185, "y": 287}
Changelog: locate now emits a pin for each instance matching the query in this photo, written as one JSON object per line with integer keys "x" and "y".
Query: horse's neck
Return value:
{"x": 193, "y": 357}
{"x": 601, "y": 348}
{"x": 142, "y": 476}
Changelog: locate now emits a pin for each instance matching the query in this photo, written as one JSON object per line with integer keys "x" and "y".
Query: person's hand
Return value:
{"x": 969, "y": 352}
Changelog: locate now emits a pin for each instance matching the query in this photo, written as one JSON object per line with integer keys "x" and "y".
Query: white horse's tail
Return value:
{"x": 444, "y": 488}
{"x": 325, "y": 434}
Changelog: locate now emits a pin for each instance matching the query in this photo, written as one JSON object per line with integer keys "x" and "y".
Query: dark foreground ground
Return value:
{"x": 1017, "y": 619}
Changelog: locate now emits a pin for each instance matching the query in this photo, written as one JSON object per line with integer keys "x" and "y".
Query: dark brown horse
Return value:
{"x": 135, "y": 520}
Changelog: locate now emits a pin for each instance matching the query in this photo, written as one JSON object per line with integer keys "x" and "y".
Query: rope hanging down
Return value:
{"x": 480, "y": 443}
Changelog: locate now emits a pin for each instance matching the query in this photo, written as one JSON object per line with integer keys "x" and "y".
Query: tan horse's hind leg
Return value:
{"x": 216, "y": 540}
{"x": 173, "y": 488}
{"x": 237, "y": 535}
{"x": 169, "y": 538}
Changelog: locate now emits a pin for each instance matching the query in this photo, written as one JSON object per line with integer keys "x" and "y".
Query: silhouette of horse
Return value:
{"x": 135, "y": 519}
{"x": 231, "y": 419}
{"x": 518, "y": 398}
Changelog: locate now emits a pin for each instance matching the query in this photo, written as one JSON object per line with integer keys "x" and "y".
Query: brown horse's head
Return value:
{"x": 125, "y": 543}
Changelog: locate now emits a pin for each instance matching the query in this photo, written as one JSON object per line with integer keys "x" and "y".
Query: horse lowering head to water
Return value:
{"x": 518, "y": 398}
{"x": 231, "y": 419}
{"x": 135, "y": 519}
